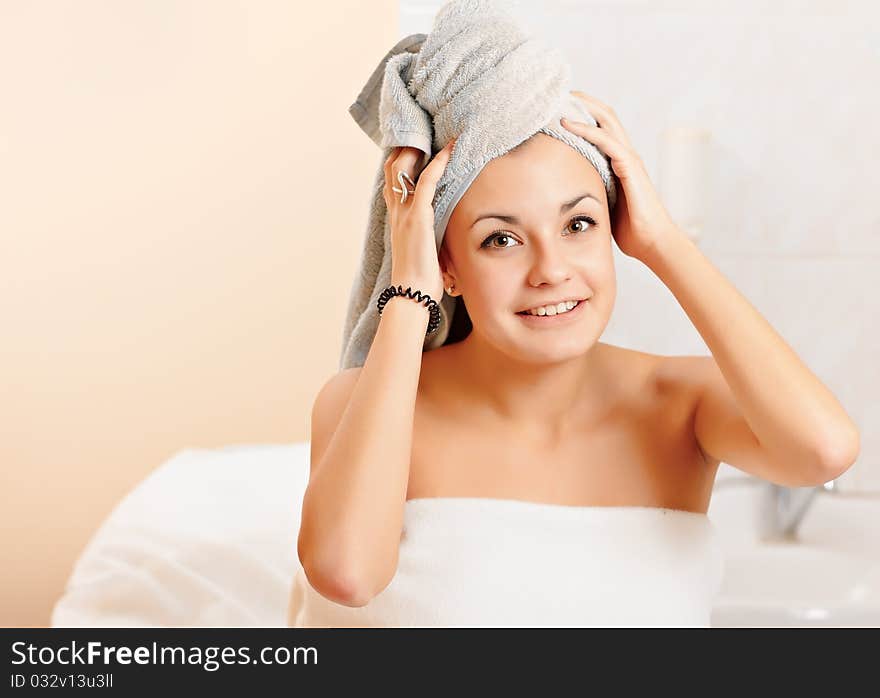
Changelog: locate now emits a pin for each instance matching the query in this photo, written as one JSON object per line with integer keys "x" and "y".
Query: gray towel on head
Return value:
{"x": 478, "y": 75}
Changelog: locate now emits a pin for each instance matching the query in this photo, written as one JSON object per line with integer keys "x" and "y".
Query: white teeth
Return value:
{"x": 558, "y": 309}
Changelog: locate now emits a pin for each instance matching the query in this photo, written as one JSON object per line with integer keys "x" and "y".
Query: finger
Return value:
{"x": 389, "y": 182}
{"x": 391, "y": 157}
{"x": 591, "y": 99}
{"x": 594, "y": 103}
{"x": 604, "y": 115}
{"x": 406, "y": 161}
{"x": 608, "y": 145}
{"x": 427, "y": 184}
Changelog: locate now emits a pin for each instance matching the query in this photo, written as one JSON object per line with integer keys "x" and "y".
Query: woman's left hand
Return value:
{"x": 639, "y": 217}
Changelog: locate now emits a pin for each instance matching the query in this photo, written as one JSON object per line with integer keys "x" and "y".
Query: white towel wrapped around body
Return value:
{"x": 483, "y": 562}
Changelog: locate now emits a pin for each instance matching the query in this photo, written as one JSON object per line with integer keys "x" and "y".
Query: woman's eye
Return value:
{"x": 496, "y": 236}
{"x": 581, "y": 221}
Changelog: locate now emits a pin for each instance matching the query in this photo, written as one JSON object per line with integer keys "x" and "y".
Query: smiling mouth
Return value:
{"x": 555, "y": 319}
{"x": 564, "y": 312}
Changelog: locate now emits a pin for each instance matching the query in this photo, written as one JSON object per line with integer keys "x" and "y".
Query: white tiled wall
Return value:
{"x": 787, "y": 91}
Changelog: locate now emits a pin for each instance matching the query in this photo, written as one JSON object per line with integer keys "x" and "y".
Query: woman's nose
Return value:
{"x": 550, "y": 263}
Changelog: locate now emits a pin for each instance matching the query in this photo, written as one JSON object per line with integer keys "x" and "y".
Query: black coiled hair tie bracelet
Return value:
{"x": 430, "y": 303}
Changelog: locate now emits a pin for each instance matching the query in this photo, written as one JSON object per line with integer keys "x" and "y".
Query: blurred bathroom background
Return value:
{"x": 174, "y": 270}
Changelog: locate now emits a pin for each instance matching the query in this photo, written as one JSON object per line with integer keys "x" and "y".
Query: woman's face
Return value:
{"x": 552, "y": 246}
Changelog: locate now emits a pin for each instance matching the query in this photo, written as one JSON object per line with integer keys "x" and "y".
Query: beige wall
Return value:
{"x": 174, "y": 267}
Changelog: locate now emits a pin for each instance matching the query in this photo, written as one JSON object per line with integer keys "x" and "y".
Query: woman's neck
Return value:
{"x": 556, "y": 395}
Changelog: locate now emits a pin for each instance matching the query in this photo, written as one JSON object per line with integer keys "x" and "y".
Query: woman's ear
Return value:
{"x": 447, "y": 269}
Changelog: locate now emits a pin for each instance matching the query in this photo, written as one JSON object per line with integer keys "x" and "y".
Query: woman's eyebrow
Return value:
{"x": 513, "y": 220}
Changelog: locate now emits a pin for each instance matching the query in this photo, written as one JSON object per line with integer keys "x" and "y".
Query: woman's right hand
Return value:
{"x": 414, "y": 260}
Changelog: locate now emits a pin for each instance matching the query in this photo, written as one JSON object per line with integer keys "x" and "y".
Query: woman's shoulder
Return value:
{"x": 332, "y": 396}
{"x": 664, "y": 382}
{"x": 342, "y": 379}
{"x": 626, "y": 356}
{"x": 666, "y": 369}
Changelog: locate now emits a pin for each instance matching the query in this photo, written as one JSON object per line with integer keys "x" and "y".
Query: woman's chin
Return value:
{"x": 556, "y": 349}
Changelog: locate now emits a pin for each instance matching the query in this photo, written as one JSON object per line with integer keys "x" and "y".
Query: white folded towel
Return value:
{"x": 483, "y": 562}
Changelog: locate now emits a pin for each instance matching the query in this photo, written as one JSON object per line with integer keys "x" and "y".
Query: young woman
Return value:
{"x": 529, "y": 442}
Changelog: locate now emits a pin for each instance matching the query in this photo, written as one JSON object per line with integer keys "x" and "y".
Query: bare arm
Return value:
{"x": 759, "y": 408}
{"x": 352, "y": 513}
